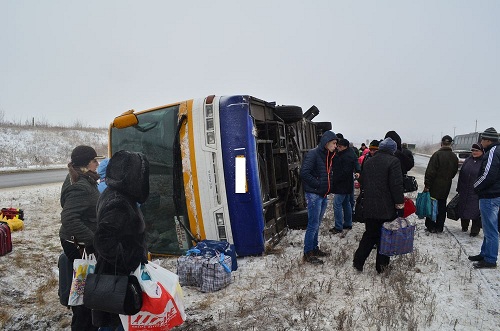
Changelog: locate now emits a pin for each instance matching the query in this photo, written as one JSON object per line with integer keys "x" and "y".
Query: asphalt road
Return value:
{"x": 38, "y": 177}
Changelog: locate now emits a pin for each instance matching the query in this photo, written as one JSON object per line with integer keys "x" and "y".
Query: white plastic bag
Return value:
{"x": 81, "y": 268}
{"x": 163, "y": 302}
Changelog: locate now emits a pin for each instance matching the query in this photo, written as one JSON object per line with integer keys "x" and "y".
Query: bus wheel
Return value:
{"x": 297, "y": 220}
{"x": 323, "y": 126}
{"x": 289, "y": 114}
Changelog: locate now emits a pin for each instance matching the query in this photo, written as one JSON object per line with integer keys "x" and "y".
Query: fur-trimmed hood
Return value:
{"x": 128, "y": 173}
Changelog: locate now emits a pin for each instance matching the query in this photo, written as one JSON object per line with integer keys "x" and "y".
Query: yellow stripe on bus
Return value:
{"x": 190, "y": 174}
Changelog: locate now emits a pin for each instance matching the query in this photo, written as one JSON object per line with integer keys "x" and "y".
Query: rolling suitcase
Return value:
{"x": 5, "y": 239}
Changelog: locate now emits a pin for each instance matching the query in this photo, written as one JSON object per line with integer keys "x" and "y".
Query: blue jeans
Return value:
{"x": 316, "y": 207}
{"x": 489, "y": 217}
{"x": 342, "y": 211}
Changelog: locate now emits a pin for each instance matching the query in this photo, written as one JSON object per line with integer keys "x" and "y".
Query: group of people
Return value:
{"x": 331, "y": 168}
{"x": 104, "y": 220}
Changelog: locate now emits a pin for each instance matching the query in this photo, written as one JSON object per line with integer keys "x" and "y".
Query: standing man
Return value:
{"x": 315, "y": 173}
{"x": 344, "y": 165}
{"x": 487, "y": 187}
{"x": 442, "y": 167}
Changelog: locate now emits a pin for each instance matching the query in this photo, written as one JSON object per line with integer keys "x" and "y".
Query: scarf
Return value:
{"x": 75, "y": 172}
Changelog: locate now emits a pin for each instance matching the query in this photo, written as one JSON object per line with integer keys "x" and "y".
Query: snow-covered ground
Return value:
{"x": 434, "y": 288}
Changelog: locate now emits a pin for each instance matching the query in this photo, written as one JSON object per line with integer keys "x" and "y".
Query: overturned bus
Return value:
{"x": 222, "y": 168}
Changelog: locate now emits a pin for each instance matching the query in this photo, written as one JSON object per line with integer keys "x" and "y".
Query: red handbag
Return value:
{"x": 409, "y": 207}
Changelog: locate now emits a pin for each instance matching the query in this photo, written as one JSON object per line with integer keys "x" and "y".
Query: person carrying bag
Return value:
{"x": 120, "y": 236}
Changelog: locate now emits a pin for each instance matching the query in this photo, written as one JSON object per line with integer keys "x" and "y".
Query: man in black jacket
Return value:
{"x": 382, "y": 182}
{"x": 315, "y": 173}
{"x": 442, "y": 167}
{"x": 345, "y": 164}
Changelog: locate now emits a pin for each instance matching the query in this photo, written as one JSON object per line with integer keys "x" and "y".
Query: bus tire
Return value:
{"x": 323, "y": 126}
{"x": 289, "y": 114}
{"x": 297, "y": 220}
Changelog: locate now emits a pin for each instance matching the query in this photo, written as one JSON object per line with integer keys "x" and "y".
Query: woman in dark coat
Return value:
{"x": 79, "y": 196}
{"x": 120, "y": 236}
{"x": 382, "y": 182}
{"x": 468, "y": 201}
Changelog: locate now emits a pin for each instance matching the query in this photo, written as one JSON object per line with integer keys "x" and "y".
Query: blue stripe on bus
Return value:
{"x": 245, "y": 212}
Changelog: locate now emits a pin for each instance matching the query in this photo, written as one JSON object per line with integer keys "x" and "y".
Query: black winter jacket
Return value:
{"x": 316, "y": 167}
{"x": 344, "y": 165}
{"x": 382, "y": 183}
{"x": 120, "y": 235}
{"x": 78, "y": 216}
{"x": 487, "y": 185}
{"x": 442, "y": 167}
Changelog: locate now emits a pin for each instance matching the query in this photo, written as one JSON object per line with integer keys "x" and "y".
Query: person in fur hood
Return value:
{"x": 120, "y": 236}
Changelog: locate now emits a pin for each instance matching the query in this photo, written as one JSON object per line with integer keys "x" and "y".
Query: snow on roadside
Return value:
{"x": 276, "y": 291}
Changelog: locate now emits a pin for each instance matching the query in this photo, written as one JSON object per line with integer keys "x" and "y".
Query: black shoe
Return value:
{"x": 431, "y": 230}
{"x": 357, "y": 267}
{"x": 483, "y": 264}
{"x": 309, "y": 257}
{"x": 347, "y": 227}
{"x": 465, "y": 229}
{"x": 335, "y": 231}
{"x": 320, "y": 253}
{"x": 474, "y": 234}
{"x": 476, "y": 258}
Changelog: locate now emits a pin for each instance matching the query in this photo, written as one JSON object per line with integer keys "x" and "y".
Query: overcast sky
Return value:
{"x": 422, "y": 68}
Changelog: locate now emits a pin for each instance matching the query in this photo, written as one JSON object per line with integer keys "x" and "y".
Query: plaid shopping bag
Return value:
{"x": 189, "y": 270}
{"x": 397, "y": 237}
{"x": 216, "y": 273}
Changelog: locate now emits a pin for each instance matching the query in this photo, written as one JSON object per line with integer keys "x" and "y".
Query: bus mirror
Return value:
{"x": 125, "y": 120}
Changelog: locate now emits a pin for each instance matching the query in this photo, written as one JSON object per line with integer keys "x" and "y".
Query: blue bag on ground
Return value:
{"x": 210, "y": 248}
{"x": 424, "y": 206}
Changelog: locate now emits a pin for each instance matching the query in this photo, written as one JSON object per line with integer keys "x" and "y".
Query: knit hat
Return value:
{"x": 82, "y": 155}
{"x": 374, "y": 144}
{"x": 340, "y": 135}
{"x": 343, "y": 142}
{"x": 447, "y": 139}
{"x": 388, "y": 145}
{"x": 477, "y": 146}
{"x": 490, "y": 134}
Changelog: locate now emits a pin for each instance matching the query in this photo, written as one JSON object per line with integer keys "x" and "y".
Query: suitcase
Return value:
{"x": 65, "y": 278}
{"x": 5, "y": 239}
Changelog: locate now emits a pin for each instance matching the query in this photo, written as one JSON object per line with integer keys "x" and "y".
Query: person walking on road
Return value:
{"x": 315, "y": 173}
{"x": 442, "y": 167}
{"x": 487, "y": 187}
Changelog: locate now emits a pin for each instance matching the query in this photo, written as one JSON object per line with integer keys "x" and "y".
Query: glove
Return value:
{"x": 400, "y": 212}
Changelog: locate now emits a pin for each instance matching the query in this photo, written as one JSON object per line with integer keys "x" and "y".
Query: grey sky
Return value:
{"x": 422, "y": 68}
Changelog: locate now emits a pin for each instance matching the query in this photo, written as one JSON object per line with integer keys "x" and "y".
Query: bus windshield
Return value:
{"x": 154, "y": 136}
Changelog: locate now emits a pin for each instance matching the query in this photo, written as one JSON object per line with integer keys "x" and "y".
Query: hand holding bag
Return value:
{"x": 424, "y": 205}
{"x": 81, "y": 269}
{"x": 117, "y": 294}
{"x": 396, "y": 237}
